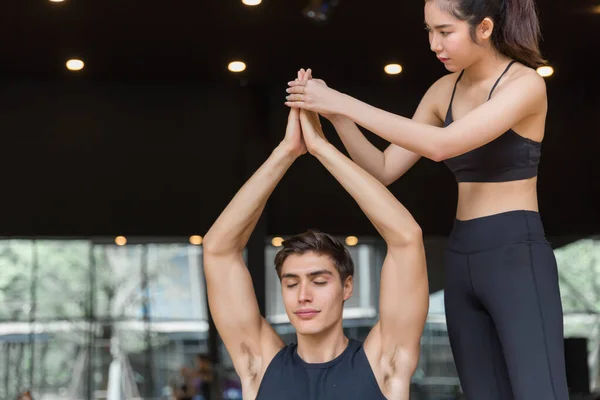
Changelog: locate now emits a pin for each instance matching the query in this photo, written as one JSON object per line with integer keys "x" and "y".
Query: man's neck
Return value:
{"x": 323, "y": 347}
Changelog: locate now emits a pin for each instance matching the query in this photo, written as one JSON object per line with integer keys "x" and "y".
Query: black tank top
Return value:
{"x": 349, "y": 377}
{"x": 509, "y": 157}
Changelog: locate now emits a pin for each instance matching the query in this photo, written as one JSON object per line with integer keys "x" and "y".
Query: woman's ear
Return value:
{"x": 485, "y": 29}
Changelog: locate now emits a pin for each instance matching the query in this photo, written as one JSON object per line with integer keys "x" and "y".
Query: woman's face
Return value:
{"x": 450, "y": 38}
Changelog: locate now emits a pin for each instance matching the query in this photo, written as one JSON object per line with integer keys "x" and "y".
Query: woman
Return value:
{"x": 486, "y": 121}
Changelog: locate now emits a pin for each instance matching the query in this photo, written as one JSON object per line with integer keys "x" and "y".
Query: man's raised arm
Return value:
{"x": 250, "y": 340}
{"x": 394, "y": 342}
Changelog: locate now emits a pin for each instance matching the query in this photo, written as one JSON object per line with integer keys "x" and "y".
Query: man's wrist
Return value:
{"x": 285, "y": 151}
{"x": 320, "y": 150}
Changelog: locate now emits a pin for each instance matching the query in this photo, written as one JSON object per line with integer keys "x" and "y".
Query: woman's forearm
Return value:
{"x": 422, "y": 139}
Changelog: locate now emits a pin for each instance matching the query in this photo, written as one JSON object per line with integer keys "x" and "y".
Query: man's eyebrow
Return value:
{"x": 320, "y": 272}
{"x": 312, "y": 274}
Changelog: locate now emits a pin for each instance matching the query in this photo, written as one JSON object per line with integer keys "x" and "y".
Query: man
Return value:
{"x": 316, "y": 279}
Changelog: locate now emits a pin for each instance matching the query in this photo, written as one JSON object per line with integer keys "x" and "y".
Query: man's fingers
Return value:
{"x": 305, "y": 122}
{"x": 294, "y": 114}
{"x": 301, "y": 74}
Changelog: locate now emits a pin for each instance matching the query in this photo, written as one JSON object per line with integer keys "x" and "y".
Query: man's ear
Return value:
{"x": 348, "y": 287}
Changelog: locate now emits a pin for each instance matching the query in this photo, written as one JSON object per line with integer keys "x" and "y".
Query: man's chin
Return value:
{"x": 310, "y": 327}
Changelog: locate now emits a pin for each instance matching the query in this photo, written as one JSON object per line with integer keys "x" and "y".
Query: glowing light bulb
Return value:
{"x": 196, "y": 240}
{"x": 351, "y": 240}
{"x": 545, "y": 71}
{"x": 393, "y": 69}
{"x": 236, "y": 66}
{"x": 75, "y": 65}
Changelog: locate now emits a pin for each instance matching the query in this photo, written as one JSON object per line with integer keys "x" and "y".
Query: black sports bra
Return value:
{"x": 509, "y": 157}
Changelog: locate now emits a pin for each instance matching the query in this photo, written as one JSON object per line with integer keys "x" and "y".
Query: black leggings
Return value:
{"x": 503, "y": 309}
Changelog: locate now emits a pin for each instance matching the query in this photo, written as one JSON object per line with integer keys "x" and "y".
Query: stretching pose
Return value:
{"x": 316, "y": 274}
{"x": 486, "y": 121}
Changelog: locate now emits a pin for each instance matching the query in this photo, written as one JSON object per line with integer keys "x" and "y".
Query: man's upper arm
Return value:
{"x": 248, "y": 337}
{"x": 399, "y": 160}
{"x": 403, "y": 308}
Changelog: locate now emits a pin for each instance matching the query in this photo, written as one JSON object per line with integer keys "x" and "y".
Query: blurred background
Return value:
{"x": 128, "y": 126}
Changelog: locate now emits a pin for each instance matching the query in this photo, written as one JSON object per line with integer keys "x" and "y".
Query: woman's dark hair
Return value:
{"x": 321, "y": 244}
{"x": 516, "y": 32}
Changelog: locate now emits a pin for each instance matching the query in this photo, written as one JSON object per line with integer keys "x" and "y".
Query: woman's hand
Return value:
{"x": 313, "y": 95}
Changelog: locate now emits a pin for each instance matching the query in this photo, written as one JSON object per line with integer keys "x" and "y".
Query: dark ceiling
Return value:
{"x": 115, "y": 148}
{"x": 160, "y": 40}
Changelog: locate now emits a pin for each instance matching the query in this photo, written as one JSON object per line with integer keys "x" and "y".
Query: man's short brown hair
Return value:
{"x": 319, "y": 243}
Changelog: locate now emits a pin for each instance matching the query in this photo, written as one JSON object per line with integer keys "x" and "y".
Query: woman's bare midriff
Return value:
{"x": 477, "y": 200}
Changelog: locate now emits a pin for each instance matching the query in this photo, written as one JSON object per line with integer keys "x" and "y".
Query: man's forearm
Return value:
{"x": 395, "y": 224}
{"x": 231, "y": 231}
{"x": 362, "y": 152}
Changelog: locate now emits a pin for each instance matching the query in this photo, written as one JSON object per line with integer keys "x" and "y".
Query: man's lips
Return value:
{"x": 306, "y": 313}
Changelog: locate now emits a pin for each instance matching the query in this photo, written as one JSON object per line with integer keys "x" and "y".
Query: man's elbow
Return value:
{"x": 212, "y": 245}
{"x": 406, "y": 235}
{"x": 209, "y": 244}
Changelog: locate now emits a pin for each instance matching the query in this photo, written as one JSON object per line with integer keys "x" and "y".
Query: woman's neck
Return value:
{"x": 488, "y": 67}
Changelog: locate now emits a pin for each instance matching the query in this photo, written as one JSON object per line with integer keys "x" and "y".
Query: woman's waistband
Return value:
{"x": 493, "y": 231}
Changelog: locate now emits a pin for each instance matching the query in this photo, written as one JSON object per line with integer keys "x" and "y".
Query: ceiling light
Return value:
{"x": 121, "y": 240}
{"x": 56, "y": 1}
{"x": 545, "y": 71}
{"x": 277, "y": 241}
{"x": 236, "y": 66}
{"x": 319, "y": 10}
{"x": 351, "y": 240}
{"x": 75, "y": 65}
{"x": 196, "y": 240}
{"x": 251, "y": 2}
{"x": 393, "y": 69}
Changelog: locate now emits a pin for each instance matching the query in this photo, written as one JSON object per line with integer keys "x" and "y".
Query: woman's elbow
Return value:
{"x": 438, "y": 152}
{"x": 386, "y": 180}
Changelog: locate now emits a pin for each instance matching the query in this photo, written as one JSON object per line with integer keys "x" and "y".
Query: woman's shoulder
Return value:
{"x": 439, "y": 93}
{"x": 524, "y": 79}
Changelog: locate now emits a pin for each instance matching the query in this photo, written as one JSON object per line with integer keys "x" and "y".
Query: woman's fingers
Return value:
{"x": 296, "y": 90}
